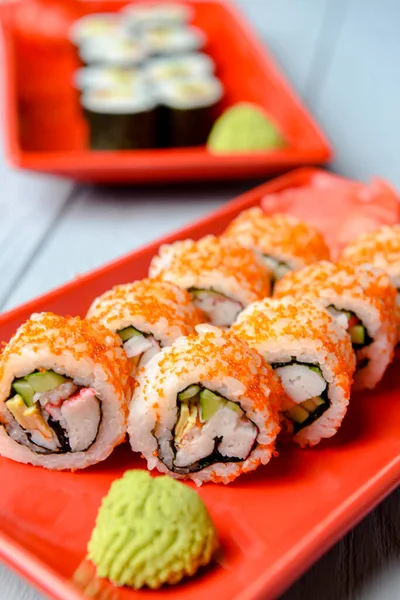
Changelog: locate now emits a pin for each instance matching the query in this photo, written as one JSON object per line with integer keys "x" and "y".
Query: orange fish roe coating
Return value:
{"x": 152, "y": 306}
{"x": 280, "y": 236}
{"x": 213, "y": 263}
{"x": 379, "y": 248}
{"x": 80, "y": 338}
{"x": 365, "y": 291}
{"x": 222, "y": 363}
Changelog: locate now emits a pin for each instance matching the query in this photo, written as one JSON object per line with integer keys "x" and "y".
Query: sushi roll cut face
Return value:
{"x": 178, "y": 67}
{"x": 221, "y": 276}
{"x": 313, "y": 356}
{"x": 98, "y": 77}
{"x": 206, "y": 408}
{"x": 363, "y": 301}
{"x": 140, "y": 16}
{"x": 114, "y": 50}
{"x": 95, "y": 25}
{"x": 63, "y": 392}
{"x": 164, "y": 39}
{"x": 285, "y": 242}
{"x": 191, "y": 93}
{"x": 147, "y": 315}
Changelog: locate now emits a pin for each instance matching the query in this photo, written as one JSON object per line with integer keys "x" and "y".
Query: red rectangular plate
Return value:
{"x": 273, "y": 523}
{"x": 44, "y": 130}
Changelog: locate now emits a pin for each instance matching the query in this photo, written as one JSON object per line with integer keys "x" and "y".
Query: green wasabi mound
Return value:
{"x": 151, "y": 531}
{"x": 244, "y": 127}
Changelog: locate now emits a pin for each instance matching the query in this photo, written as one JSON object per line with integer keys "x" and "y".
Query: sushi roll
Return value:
{"x": 186, "y": 66}
{"x": 221, "y": 276}
{"x": 206, "y": 408}
{"x": 99, "y": 77}
{"x": 95, "y": 25}
{"x": 119, "y": 119}
{"x": 64, "y": 389}
{"x": 364, "y": 302}
{"x": 142, "y": 15}
{"x": 380, "y": 249}
{"x": 117, "y": 51}
{"x": 189, "y": 109}
{"x": 313, "y": 356}
{"x": 165, "y": 40}
{"x": 147, "y": 315}
{"x": 285, "y": 242}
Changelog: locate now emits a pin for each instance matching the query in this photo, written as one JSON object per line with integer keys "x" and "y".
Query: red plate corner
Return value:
{"x": 272, "y": 523}
{"x": 44, "y": 130}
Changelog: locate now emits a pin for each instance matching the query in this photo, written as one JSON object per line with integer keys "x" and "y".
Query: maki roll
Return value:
{"x": 119, "y": 119}
{"x": 364, "y": 302}
{"x": 164, "y": 40}
{"x": 206, "y": 408}
{"x": 186, "y": 66}
{"x": 139, "y": 16}
{"x": 95, "y": 25}
{"x": 313, "y": 356}
{"x": 221, "y": 276}
{"x": 64, "y": 389}
{"x": 380, "y": 249}
{"x": 189, "y": 108}
{"x": 96, "y": 77}
{"x": 117, "y": 51}
{"x": 285, "y": 242}
{"x": 148, "y": 315}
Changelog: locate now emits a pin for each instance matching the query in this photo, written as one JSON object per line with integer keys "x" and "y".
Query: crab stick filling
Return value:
{"x": 220, "y": 309}
{"x": 139, "y": 347}
{"x": 50, "y": 413}
{"x": 306, "y": 390}
{"x": 209, "y": 429}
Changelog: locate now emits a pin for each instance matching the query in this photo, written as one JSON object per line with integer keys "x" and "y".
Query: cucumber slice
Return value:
{"x": 235, "y": 407}
{"x": 189, "y": 392}
{"x": 128, "y": 332}
{"x": 315, "y": 369}
{"x": 46, "y": 381}
{"x": 25, "y": 390}
{"x": 357, "y": 334}
{"x": 297, "y": 413}
{"x": 210, "y": 403}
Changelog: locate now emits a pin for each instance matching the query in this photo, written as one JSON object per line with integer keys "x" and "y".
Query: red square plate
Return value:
{"x": 273, "y": 523}
{"x": 44, "y": 129}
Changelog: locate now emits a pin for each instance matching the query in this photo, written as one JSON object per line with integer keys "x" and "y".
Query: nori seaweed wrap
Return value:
{"x": 119, "y": 119}
{"x": 188, "y": 110}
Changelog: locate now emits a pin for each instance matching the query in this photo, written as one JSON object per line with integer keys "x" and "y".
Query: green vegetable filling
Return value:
{"x": 128, "y": 333}
{"x": 196, "y": 406}
{"x": 307, "y": 412}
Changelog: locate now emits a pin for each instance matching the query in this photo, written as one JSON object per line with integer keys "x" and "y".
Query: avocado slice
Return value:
{"x": 312, "y": 403}
{"x": 29, "y": 418}
{"x": 315, "y": 369}
{"x": 127, "y": 333}
{"x": 17, "y": 407}
{"x": 24, "y": 389}
{"x": 357, "y": 334}
{"x": 210, "y": 403}
{"x": 235, "y": 407}
{"x": 297, "y": 413}
{"x": 46, "y": 381}
{"x": 189, "y": 393}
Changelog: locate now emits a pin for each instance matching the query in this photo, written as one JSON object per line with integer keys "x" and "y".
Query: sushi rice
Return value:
{"x": 64, "y": 389}
{"x": 364, "y": 302}
{"x": 221, "y": 276}
{"x": 313, "y": 356}
{"x": 285, "y": 242}
{"x": 148, "y": 315}
{"x": 206, "y": 408}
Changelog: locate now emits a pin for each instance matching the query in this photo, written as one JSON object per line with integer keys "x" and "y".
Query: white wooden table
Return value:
{"x": 342, "y": 57}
